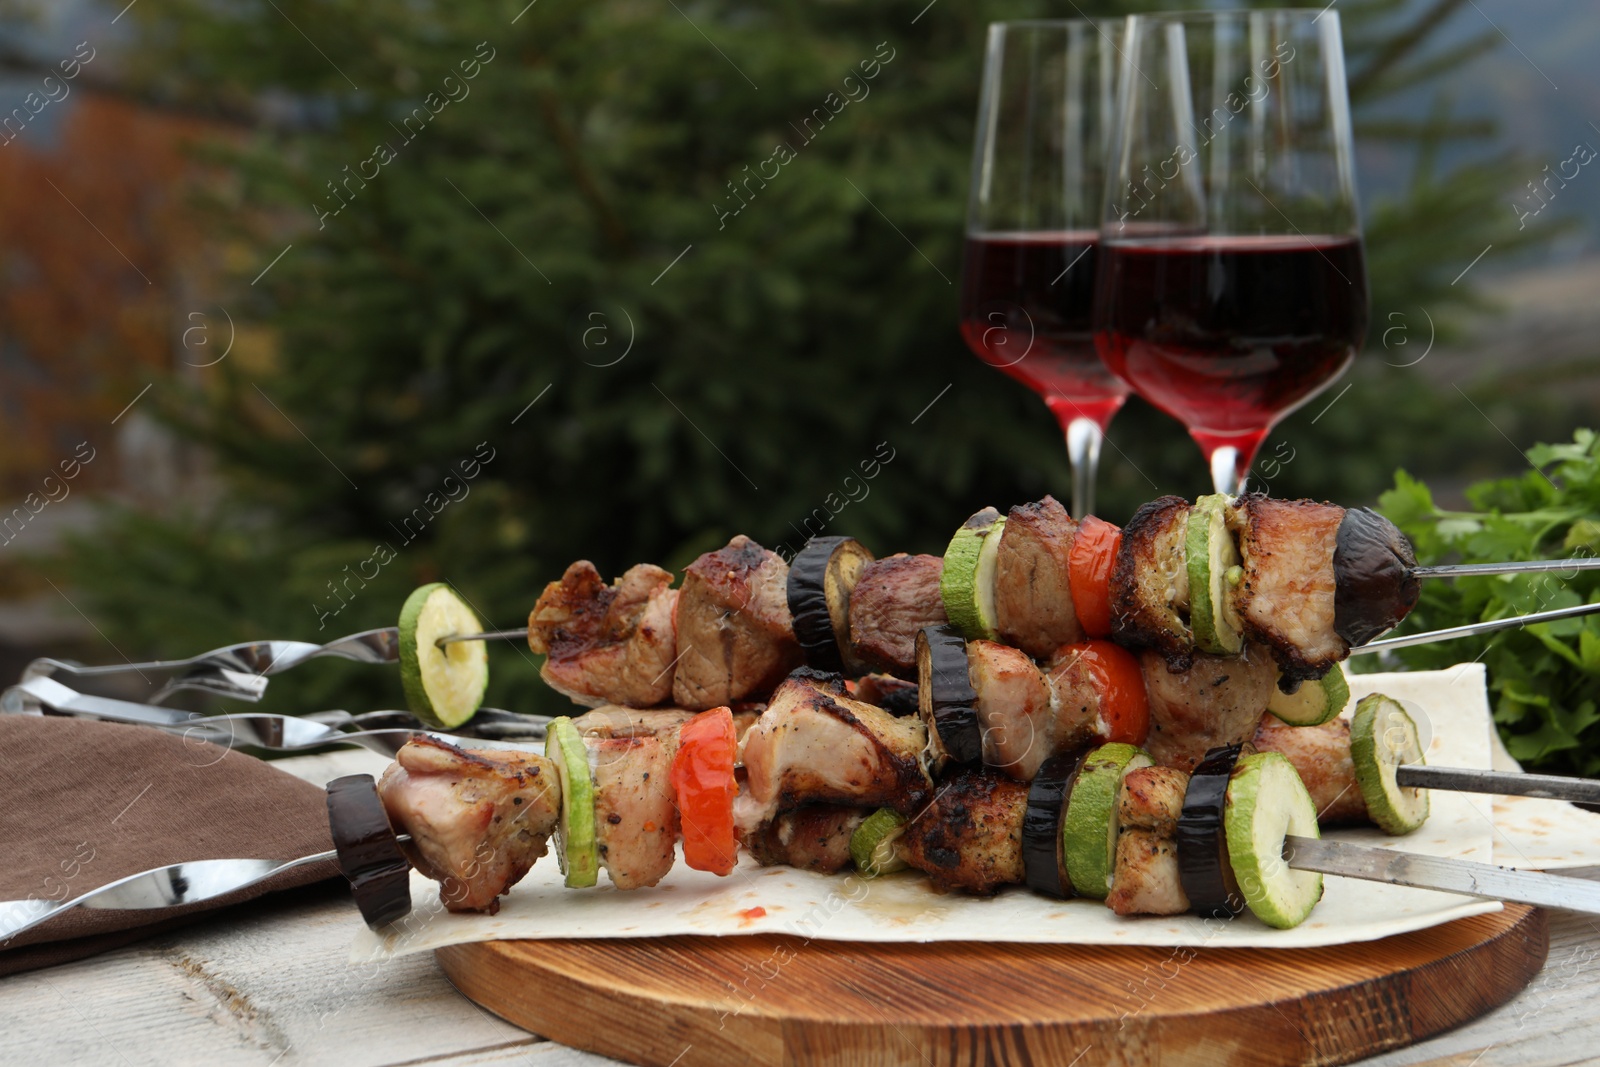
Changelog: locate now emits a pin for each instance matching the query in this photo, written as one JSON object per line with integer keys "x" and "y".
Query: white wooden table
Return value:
{"x": 269, "y": 984}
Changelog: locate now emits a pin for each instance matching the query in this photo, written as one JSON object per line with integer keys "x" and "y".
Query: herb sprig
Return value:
{"x": 1544, "y": 681}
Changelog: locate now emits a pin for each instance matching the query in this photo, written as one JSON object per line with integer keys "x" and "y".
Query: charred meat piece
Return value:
{"x": 813, "y": 838}
{"x": 1322, "y": 756}
{"x": 892, "y": 600}
{"x": 635, "y": 813}
{"x": 478, "y": 820}
{"x": 1014, "y": 709}
{"x": 607, "y": 644}
{"x": 970, "y": 837}
{"x": 1145, "y": 880}
{"x": 1373, "y": 570}
{"x": 1032, "y": 598}
{"x": 734, "y": 628}
{"x": 894, "y": 695}
{"x": 1287, "y": 598}
{"x": 612, "y": 720}
{"x": 1152, "y": 799}
{"x": 1075, "y": 697}
{"x": 815, "y": 745}
{"x": 1150, "y": 584}
{"x": 1217, "y": 701}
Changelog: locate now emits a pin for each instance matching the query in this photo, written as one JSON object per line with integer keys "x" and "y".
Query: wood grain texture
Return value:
{"x": 777, "y": 1000}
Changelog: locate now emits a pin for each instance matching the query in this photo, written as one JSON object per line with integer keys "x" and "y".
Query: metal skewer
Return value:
{"x": 1501, "y": 783}
{"x": 1473, "y": 629}
{"x": 492, "y": 635}
{"x": 1529, "y": 566}
{"x": 1436, "y": 872}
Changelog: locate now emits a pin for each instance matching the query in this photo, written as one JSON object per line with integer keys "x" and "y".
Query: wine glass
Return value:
{"x": 1232, "y": 285}
{"x": 1027, "y": 271}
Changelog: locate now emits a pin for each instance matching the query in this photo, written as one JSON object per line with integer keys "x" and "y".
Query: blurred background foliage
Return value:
{"x": 477, "y": 295}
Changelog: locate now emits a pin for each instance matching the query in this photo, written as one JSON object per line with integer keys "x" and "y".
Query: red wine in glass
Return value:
{"x": 1232, "y": 285}
{"x": 1027, "y": 273}
{"x": 1026, "y": 304}
{"x": 1229, "y": 334}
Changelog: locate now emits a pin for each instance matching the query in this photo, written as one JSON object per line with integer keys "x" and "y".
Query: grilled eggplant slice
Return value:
{"x": 946, "y": 699}
{"x": 820, "y": 580}
{"x": 1375, "y": 585}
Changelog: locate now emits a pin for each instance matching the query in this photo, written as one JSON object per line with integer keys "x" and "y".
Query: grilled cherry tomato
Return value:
{"x": 1089, "y": 565}
{"x": 1124, "y": 708}
{"x": 703, "y": 782}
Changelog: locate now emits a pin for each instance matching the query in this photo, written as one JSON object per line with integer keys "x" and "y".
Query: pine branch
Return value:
{"x": 1365, "y": 82}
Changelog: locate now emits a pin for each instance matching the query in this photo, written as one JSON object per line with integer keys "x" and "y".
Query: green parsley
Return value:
{"x": 1544, "y": 681}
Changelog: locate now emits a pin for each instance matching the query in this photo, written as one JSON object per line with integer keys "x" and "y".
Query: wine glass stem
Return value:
{"x": 1083, "y": 449}
{"x": 1229, "y": 469}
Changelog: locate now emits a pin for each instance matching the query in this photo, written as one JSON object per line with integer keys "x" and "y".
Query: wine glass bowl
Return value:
{"x": 1232, "y": 283}
{"x": 1028, "y": 267}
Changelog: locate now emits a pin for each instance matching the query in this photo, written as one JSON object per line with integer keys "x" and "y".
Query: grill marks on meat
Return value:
{"x": 970, "y": 836}
{"x": 607, "y": 644}
{"x": 734, "y": 626}
{"x": 635, "y": 817}
{"x": 894, "y": 695}
{"x": 894, "y": 598}
{"x": 1015, "y": 710}
{"x": 478, "y": 820}
{"x": 1032, "y": 598}
{"x": 1145, "y": 879}
{"x": 813, "y": 838}
{"x": 1217, "y": 701}
{"x": 813, "y": 745}
{"x": 1150, "y": 583}
{"x": 1151, "y": 798}
{"x": 1287, "y": 598}
{"x": 1322, "y": 756}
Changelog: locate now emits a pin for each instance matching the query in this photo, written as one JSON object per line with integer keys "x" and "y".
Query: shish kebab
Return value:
{"x": 1309, "y": 582}
{"x": 844, "y": 604}
{"x": 830, "y": 782}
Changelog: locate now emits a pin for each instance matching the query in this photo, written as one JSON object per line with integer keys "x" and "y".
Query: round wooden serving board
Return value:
{"x": 709, "y": 1001}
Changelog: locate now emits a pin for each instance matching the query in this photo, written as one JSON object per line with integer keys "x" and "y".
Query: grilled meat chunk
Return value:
{"x": 970, "y": 837}
{"x": 1152, "y": 799}
{"x": 1145, "y": 880}
{"x": 813, "y": 745}
{"x": 1217, "y": 701}
{"x": 607, "y": 644}
{"x": 1032, "y": 598}
{"x": 612, "y": 720}
{"x": 892, "y": 600}
{"x": 635, "y": 812}
{"x": 1322, "y": 756}
{"x": 1150, "y": 583}
{"x": 1014, "y": 709}
{"x": 478, "y": 819}
{"x": 813, "y": 838}
{"x": 894, "y": 695}
{"x": 1075, "y": 698}
{"x": 1286, "y": 600}
{"x": 734, "y": 628}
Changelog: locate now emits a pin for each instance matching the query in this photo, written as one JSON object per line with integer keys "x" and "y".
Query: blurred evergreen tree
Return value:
{"x": 543, "y": 263}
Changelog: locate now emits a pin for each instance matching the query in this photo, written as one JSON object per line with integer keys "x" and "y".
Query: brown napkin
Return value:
{"x": 86, "y": 803}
